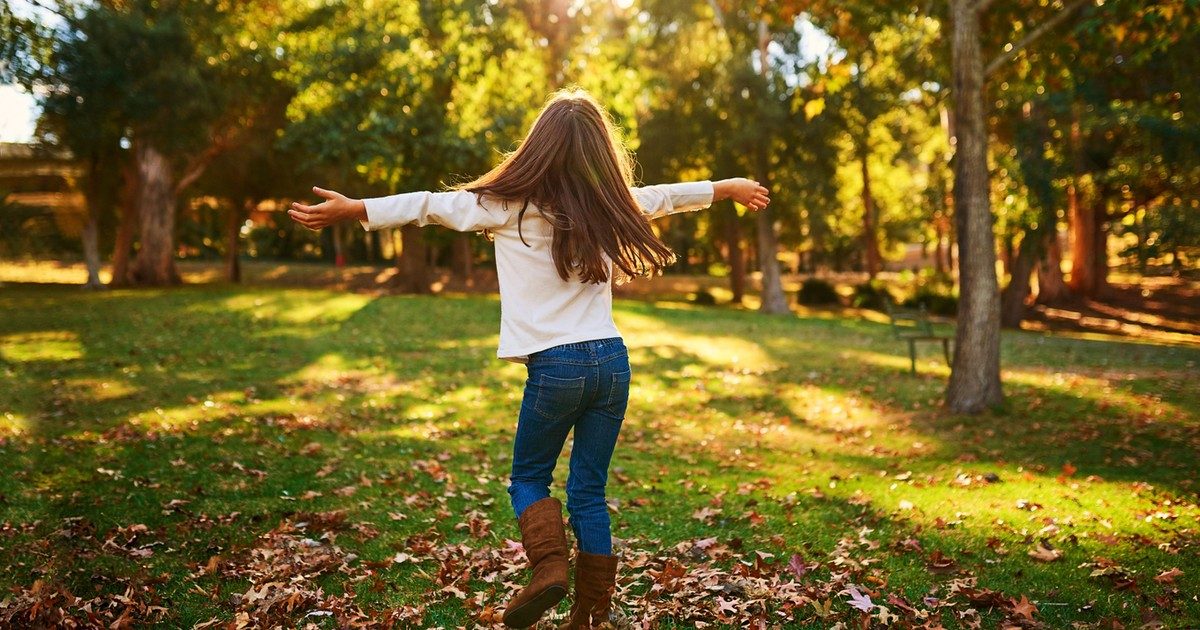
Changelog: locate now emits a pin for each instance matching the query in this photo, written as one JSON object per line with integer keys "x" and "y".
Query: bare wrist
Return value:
{"x": 720, "y": 190}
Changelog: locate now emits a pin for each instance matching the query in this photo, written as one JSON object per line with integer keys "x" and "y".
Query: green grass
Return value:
{"x": 806, "y": 433}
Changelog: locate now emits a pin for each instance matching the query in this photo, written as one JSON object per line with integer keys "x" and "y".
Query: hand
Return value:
{"x": 336, "y": 207}
{"x": 744, "y": 191}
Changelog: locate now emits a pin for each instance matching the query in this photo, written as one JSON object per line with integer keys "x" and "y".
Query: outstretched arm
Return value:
{"x": 664, "y": 199}
{"x": 458, "y": 210}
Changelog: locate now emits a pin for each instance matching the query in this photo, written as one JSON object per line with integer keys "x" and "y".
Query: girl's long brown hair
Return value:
{"x": 575, "y": 170}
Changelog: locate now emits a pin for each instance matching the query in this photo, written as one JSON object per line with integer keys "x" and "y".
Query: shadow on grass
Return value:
{"x": 1120, "y": 410}
{"x": 379, "y": 383}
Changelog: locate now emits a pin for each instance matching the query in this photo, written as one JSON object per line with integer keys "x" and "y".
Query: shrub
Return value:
{"x": 873, "y": 295}
{"x": 815, "y": 292}
{"x": 704, "y": 297}
{"x": 937, "y": 302}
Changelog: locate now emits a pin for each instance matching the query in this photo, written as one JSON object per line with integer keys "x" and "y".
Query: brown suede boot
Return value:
{"x": 595, "y": 581}
{"x": 545, "y": 542}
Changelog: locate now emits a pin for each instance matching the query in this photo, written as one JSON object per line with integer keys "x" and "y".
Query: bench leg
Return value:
{"x": 912, "y": 355}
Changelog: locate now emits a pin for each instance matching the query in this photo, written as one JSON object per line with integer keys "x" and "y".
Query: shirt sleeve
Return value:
{"x": 663, "y": 199}
{"x": 458, "y": 210}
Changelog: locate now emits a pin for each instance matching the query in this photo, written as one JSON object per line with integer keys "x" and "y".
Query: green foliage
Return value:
{"x": 28, "y": 231}
{"x": 817, "y": 292}
{"x": 376, "y": 98}
{"x": 936, "y": 301}
{"x": 873, "y": 295}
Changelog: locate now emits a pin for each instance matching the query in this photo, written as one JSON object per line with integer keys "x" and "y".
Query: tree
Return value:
{"x": 975, "y": 377}
{"x": 91, "y": 133}
{"x": 118, "y": 71}
{"x": 410, "y": 96}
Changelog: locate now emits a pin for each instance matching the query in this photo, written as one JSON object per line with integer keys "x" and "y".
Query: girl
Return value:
{"x": 565, "y": 220}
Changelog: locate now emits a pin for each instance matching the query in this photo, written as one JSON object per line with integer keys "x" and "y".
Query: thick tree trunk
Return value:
{"x": 413, "y": 262}
{"x": 1051, "y": 285}
{"x": 123, "y": 246}
{"x": 737, "y": 257}
{"x": 1083, "y": 242}
{"x": 1089, "y": 253}
{"x": 155, "y": 262}
{"x": 872, "y": 259}
{"x": 464, "y": 259}
{"x": 975, "y": 377}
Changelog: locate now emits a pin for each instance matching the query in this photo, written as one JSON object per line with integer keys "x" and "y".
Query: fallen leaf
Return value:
{"x": 1024, "y": 609}
{"x": 1168, "y": 576}
{"x": 1045, "y": 553}
{"x": 858, "y": 600}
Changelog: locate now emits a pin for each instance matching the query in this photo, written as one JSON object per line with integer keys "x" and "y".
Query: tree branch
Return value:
{"x": 221, "y": 142}
{"x": 1033, "y": 35}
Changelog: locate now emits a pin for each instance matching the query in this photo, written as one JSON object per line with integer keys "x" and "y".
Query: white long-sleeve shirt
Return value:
{"x": 538, "y": 309}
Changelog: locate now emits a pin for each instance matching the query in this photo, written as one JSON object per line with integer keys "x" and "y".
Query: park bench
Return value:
{"x": 913, "y": 326}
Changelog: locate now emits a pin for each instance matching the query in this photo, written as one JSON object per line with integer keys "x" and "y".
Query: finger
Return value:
{"x": 762, "y": 200}
{"x": 327, "y": 194}
{"x": 303, "y": 208}
{"x": 300, "y": 216}
{"x": 762, "y": 190}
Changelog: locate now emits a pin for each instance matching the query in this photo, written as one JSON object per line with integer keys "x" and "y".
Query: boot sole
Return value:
{"x": 529, "y": 613}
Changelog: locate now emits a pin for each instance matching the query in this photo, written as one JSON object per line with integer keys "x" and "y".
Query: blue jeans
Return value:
{"x": 584, "y": 386}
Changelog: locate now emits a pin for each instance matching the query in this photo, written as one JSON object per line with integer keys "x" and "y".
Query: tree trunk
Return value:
{"x": 339, "y": 252}
{"x": 871, "y": 256}
{"x": 464, "y": 259}
{"x": 91, "y": 229}
{"x": 413, "y": 262}
{"x": 91, "y": 248}
{"x": 1051, "y": 286}
{"x": 1015, "y": 295}
{"x": 123, "y": 246}
{"x": 1083, "y": 242}
{"x": 1087, "y": 259}
{"x": 233, "y": 239}
{"x": 374, "y": 248}
{"x": 155, "y": 261}
{"x": 1100, "y": 242}
{"x": 773, "y": 299}
{"x": 737, "y": 257}
{"x": 975, "y": 376}
{"x": 939, "y": 263}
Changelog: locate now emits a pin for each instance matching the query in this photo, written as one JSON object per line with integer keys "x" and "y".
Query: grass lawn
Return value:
{"x": 214, "y": 454}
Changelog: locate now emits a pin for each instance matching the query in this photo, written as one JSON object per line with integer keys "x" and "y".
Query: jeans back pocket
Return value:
{"x": 618, "y": 393}
{"x": 558, "y": 398}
